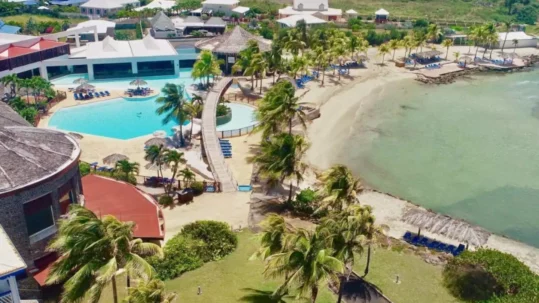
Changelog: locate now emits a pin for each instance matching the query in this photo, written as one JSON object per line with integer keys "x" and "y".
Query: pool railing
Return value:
{"x": 235, "y": 132}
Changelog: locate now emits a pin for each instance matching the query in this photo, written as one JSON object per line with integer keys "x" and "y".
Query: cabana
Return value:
{"x": 444, "y": 225}
{"x": 427, "y": 56}
{"x": 351, "y": 14}
{"x": 381, "y": 16}
{"x": 229, "y": 45}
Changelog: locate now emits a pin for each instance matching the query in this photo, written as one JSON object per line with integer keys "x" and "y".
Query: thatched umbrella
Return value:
{"x": 112, "y": 159}
{"x": 156, "y": 141}
{"x": 447, "y": 226}
{"x": 160, "y": 133}
{"x": 76, "y": 136}
{"x": 84, "y": 87}
{"x": 80, "y": 81}
{"x": 138, "y": 82}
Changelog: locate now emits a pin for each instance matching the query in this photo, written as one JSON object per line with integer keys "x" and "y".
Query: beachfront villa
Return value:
{"x": 34, "y": 198}
{"x": 523, "y": 40}
{"x": 381, "y": 16}
{"x": 227, "y": 7}
{"x": 98, "y": 8}
{"x": 158, "y": 4}
{"x": 104, "y": 28}
{"x": 318, "y": 8}
{"x": 291, "y": 21}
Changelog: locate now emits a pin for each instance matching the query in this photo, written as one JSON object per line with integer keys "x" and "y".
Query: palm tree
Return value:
{"x": 245, "y": 58}
{"x": 272, "y": 239}
{"x": 394, "y": 45}
{"x": 274, "y": 58}
{"x": 12, "y": 81}
{"x": 299, "y": 64}
{"x": 155, "y": 155}
{"x": 173, "y": 107}
{"x": 307, "y": 262}
{"x": 26, "y": 84}
{"x": 293, "y": 43}
{"x": 149, "y": 291}
{"x": 127, "y": 168}
{"x": 173, "y": 159}
{"x": 515, "y": 43}
{"x": 447, "y": 44}
{"x": 257, "y": 66}
{"x": 433, "y": 32}
{"x": 281, "y": 157}
{"x": 456, "y": 55}
{"x": 507, "y": 28}
{"x": 187, "y": 175}
{"x": 92, "y": 251}
{"x": 194, "y": 109}
{"x": 383, "y": 50}
{"x": 339, "y": 188}
{"x": 206, "y": 65}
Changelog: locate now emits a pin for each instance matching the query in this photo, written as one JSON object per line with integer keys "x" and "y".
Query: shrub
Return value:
{"x": 304, "y": 203}
{"x": 166, "y": 201}
{"x": 489, "y": 275}
{"x": 218, "y": 238}
{"x": 84, "y": 168}
{"x": 181, "y": 255}
{"x": 421, "y": 23}
{"x": 197, "y": 187}
{"x": 222, "y": 110}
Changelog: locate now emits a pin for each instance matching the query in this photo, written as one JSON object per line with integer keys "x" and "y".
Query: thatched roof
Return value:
{"x": 429, "y": 54}
{"x": 447, "y": 226}
{"x": 233, "y": 42}
{"x": 112, "y": 159}
{"x": 29, "y": 154}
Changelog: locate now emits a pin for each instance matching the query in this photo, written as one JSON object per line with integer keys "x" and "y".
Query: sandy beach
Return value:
{"x": 340, "y": 104}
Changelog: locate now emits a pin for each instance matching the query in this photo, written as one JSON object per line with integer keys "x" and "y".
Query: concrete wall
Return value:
{"x": 13, "y": 221}
{"x": 521, "y": 43}
{"x": 227, "y": 9}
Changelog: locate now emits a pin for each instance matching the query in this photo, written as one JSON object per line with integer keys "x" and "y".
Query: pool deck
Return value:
{"x": 210, "y": 140}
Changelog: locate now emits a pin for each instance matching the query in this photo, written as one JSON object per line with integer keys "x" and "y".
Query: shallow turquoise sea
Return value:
{"x": 469, "y": 149}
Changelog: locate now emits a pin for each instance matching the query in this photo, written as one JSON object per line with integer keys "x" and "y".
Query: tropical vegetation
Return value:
{"x": 173, "y": 106}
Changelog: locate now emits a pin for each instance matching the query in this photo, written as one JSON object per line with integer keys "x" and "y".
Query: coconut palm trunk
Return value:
{"x": 505, "y": 39}
{"x": 252, "y": 82}
{"x": 114, "y": 290}
{"x": 366, "y": 272}
{"x": 290, "y": 193}
{"x": 341, "y": 288}
{"x": 314, "y": 294}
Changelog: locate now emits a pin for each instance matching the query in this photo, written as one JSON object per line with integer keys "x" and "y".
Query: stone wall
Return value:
{"x": 13, "y": 221}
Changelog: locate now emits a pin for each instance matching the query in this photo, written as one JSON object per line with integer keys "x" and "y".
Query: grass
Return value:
{"x": 39, "y": 18}
{"x": 420, "y": 282}
{"x": 233, "y": 279}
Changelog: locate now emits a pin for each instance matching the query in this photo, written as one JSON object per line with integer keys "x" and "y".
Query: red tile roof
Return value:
{"x": 14, "y": 51}
{"x": 44, "y": 266}
{"x": 46, "y": 44}
{"x": 124, "y": 201}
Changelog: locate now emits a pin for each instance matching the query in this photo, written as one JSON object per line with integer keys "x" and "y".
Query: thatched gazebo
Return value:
{"x": 428, "y": 54}
{"x": 441, "y": 224}
{"x": 114, "y": 158}
{"x": 229, "y": 45}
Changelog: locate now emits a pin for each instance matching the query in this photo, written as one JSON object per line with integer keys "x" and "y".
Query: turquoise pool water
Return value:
{"x": 155, "y": 82}
{"x": 129, "y": 118}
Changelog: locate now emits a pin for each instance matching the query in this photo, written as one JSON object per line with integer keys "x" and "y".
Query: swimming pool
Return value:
{"x": 155, "y": 82}
{"x": 125, "y": 118}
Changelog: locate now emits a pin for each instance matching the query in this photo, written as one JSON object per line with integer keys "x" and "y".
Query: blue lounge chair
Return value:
{"x": 433, "y": 245}
{"x": 102, "y": 94}
{"x": 93, "y": 164}
{"x": 451, "y": 249}
{"x": 224, "y": 140}
{"x": 459, "y": 250}
{"x": 415, "y": 240}
{"x": 407, "y": 236}
{"x": 107, "y": 92}
{"x": 424, "y": 241}
{"x": 225, "y": 145}
{"x": 210, "y": 189}
{"x": 76, "y": 97}
{"x": 102, "y": 168}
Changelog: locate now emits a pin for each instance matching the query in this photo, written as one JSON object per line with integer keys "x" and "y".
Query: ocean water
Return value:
{"x": 469, "y": 149}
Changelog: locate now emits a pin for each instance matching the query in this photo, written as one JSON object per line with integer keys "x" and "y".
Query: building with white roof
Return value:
{"x": 523, "y": 40}
{"x": 98, "y": 8}
{"x": 158, "y": 4}
{"x": 351, "y": 13}
{"x": 311, "y": 7}
{"x": 68, "y": 2}
{"x": 292, "y": 21}
{"x": 381, "y": 16}
{"x": 11, "y": 267}
{"x": 227, "y": 7}
{"x": 103, "y": 28}
{"x": 164, "y": 27}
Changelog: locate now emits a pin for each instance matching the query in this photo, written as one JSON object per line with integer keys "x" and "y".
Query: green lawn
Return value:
{"x": 39, "y": 18}
{"x": 233, "y": 279}
{"x": 420, "y": 282}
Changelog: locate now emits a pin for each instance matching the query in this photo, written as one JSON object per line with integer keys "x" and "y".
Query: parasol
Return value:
{"x": 112, "y": 159}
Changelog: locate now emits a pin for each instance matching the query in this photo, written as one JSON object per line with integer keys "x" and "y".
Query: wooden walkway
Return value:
{"x": 215, "y": 157}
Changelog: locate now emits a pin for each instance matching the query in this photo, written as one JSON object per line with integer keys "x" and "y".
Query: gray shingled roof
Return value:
{"x": 215, "y": 22}
{"x": 28, "y": 154}
{"x": 233, "y": 42}
{"x": 162, "y": 22}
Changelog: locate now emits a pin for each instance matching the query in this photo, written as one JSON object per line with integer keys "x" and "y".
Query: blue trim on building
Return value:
{"x": 18, "y": 273}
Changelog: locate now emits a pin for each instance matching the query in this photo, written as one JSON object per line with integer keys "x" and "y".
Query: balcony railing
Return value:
{"x": 6, "y": 297}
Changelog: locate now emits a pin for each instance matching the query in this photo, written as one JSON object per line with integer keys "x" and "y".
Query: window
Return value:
{"x": 83, "y": 10}
{"x": 91, "y": 11}
{"x": 67, "y": 197}
{"x": 104, "y": 12}
{"x": 38, "y": 215}
{"x": 98, "y": 11}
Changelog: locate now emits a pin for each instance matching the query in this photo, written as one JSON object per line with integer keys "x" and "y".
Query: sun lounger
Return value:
{"x": 210, "y": 189}
{"x": 424, "y": 241}
{"x": 107, "y": 92}
{"x": 407, "y": 236}
{"x": 225, "y": 144}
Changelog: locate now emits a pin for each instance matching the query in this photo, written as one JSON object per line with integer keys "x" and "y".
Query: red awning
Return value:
{"x": 44, "y": 266}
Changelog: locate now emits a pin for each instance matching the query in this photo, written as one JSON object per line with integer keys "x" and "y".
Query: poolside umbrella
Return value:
{"x": 85, "y": 87}
{"x": 156, "y": 141}
{"x": 112, "y": 159}
{"x": 160, "y": 133}
{"x": 138, "y": 82}
{"x": 80, "y": 81}
{"x": 76, "y": 136}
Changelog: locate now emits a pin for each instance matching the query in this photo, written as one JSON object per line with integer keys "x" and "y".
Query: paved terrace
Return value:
{"x": 215, "y": 157}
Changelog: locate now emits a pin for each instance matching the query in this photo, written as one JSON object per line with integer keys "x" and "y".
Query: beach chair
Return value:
{"x": 210, "y": 189}
{"x": 461, "y": 248}
{"x": 102, "y": 168}
{"x": 107, "y": 92}
{"x": 424, "y": 241}
{"x": 407, "y": 236}
{"x": 433, "y": 245}
{"x": 450, "y": 249}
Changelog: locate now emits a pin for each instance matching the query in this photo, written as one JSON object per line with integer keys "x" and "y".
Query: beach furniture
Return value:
{"x": 244, "y": 188}
{"x": 107, "y": 92}
{"x": 424, "y": 241}
{"x": 407, "y": 236}
{"x": 210, "y": 189}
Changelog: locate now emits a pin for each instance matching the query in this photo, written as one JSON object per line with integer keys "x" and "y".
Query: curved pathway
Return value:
{"x": 215, "y": 157}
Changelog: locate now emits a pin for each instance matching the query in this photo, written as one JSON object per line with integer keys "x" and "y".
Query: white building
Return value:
{"x": 523, "y": 40}
{"x": 163, "y": 27}
{"x": 227, "y": 7}
{"x": 68, "y": 2}
{"x": 158, "y": 4}
{"x": 319, "y": 8}
{"x": 11, "y": 267}
{"x": 292, "y": 21}
{"x": 98, "y": 8}
{"x": 103, "y": 27}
